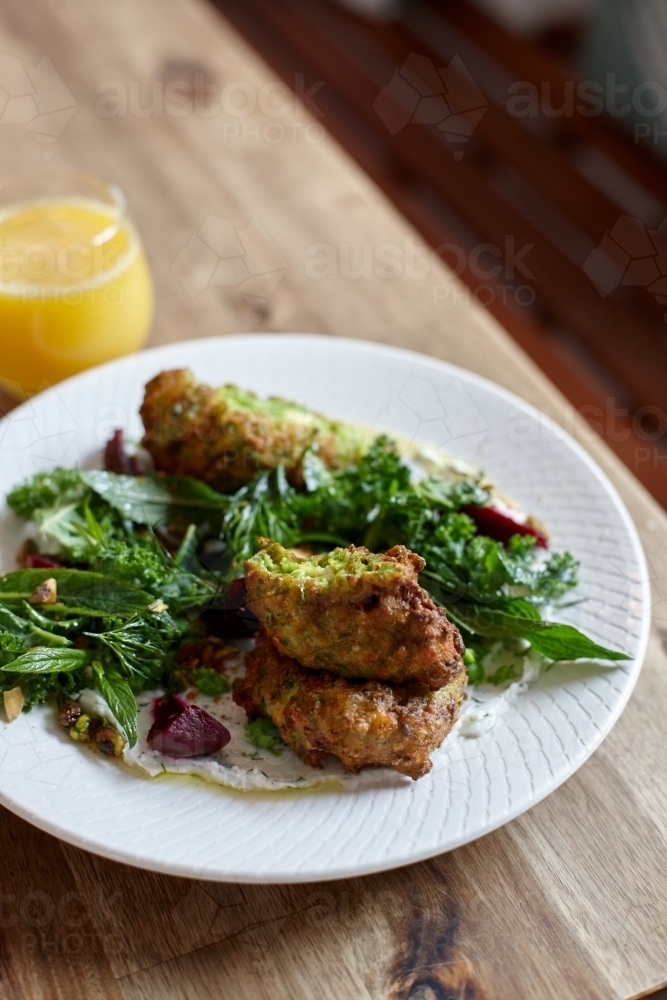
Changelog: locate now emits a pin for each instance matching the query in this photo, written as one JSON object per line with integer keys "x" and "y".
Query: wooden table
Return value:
{"x": 568, "y": 901}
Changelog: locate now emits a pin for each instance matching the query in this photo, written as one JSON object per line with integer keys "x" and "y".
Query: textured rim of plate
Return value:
{"x": 205, "y": 874}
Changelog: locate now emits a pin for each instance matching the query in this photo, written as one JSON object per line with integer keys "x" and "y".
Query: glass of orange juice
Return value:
{"x": 75, "y": 289}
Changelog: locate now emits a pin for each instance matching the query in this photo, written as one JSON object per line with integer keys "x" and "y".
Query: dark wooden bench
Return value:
{"x": 515, "y": 160}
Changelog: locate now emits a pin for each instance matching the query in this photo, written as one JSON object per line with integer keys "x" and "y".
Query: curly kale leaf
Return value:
{"x": 38, "y": 687}
{"x": 263, "y": 508}
{"x": 86, "y": 529}
{"x": 463, "y": 564}
{"x": 45, "y": 490}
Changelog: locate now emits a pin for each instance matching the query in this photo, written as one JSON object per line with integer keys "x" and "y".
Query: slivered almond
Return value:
{"x": 14, "y": 702}
{"x": 45, "y": 593}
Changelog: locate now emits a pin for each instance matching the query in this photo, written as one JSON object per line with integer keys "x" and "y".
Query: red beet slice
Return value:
{"x": 227, "y": 615}
{"x": 501, "y": 527}
{"x": 184, "y": 730}
{"x": 34, "y": 560}
{"x": 118, "y": 459}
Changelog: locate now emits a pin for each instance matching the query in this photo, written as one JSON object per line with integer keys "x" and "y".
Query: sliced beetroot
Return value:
{"x": 227, "y": 617}
{"x": 118, "y": 459}
{"x": 34, "y": 560}
{"x": 181, "y": 729}
{"x": 501, "y": 527}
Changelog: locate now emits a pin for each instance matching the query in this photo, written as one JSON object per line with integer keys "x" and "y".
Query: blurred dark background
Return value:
{"x": 527, "y": 141}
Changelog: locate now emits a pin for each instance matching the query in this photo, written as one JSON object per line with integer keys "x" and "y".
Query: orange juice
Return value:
{"x": 75, "y": 289}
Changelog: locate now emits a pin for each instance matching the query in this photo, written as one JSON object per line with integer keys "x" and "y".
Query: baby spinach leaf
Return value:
{"x": 155, "y": 500}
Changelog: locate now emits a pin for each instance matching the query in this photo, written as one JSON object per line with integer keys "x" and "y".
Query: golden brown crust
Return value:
{"x": 380, "y": 626}
{"x": 224, "y": 436}
{"x": 361, "y": 722}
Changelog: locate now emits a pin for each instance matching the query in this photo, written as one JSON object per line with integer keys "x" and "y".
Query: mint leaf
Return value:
{"x": 554, "y": 640}
{"x": 43, "y": 660}
{"x": 564, "y": 642}
{"x": 120, "y": 698}
{"x": 93, "y": 592}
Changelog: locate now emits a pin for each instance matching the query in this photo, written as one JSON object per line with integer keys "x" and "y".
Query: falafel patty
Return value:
{"x": 224, "y": 436}
{"x": 361, "y": 722}
{"x": 354, "y": 613}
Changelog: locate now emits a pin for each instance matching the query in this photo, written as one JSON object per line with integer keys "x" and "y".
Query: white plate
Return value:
{"x": 186, "y": 827}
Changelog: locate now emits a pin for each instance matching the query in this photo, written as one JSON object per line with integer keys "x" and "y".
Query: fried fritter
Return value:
{"x": 361, "y": 722}
{"x": 354, "y": 613}
{"x": 224, "y": 436}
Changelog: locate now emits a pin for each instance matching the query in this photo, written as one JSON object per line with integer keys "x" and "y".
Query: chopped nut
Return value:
{"x": 80, "y": 730}
{"x": 109, "y": 741}
{"x": 45, "y": 593}
{"x": 207, "y": 656}
{"x": 226, "y": 653}
{"x": 14, "y": 702}
{"x": 69, "y": 712}
{"x": 158, "y": 606}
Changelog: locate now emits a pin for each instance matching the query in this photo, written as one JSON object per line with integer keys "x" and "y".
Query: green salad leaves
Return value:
{"x": 144, "y": 555}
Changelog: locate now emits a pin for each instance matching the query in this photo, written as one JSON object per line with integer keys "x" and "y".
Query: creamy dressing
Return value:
{"x": 244, "y": 767}
{"x": 240, "y": 765}
{"x": 486, "y": 703}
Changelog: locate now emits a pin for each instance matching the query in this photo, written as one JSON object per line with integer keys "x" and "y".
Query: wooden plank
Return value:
{"x": 50, "y": 947}
{"x": 540, "y": 909}
{"x": 562, "y": 286}
{"x": 541, "y": 69}
{"x": 377, "y": 159}
{"x": 541, "y": 160}
{"x": 547, "y": 165}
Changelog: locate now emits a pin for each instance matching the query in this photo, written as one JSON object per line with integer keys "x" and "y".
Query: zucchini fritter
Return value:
{"x": 224, "y": 436}
{"x": 361, "y": 722}
{"x": 354, "y": 613}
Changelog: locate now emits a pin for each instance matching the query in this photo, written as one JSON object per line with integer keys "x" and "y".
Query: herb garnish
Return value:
{"x": 144, "y": 555}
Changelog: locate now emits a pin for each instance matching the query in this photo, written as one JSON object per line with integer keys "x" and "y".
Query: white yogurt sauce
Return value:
{"x": 245, "y": 767}
{"x": 487, "y": 703}
{"x": 239, "y": 765}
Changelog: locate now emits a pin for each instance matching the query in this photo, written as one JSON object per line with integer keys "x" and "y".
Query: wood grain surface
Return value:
{"x": 568, "y": 901}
